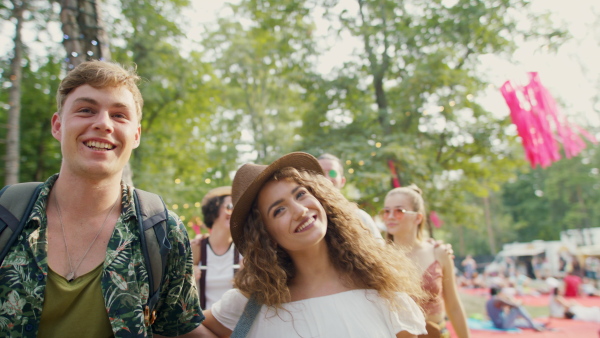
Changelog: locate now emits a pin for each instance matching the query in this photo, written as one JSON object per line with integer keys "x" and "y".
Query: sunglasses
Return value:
{"x": 229, "y": 208}
{"x": 397, "y": 212}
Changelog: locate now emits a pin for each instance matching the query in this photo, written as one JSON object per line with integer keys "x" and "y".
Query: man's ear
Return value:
{"x": 343, "y": 181}
{"x": 138, "y": 136}
{"x": 56, "y": 126}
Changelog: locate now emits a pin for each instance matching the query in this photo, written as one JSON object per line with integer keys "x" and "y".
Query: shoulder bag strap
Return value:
{"x": 245, "y": 322}
{"x": 16, "y": 203}
{"x": 203, "y": 271}
{"x": 152, "y": 217}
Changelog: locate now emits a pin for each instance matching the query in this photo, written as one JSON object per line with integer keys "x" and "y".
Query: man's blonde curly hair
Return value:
{"x": 363, "y": 261}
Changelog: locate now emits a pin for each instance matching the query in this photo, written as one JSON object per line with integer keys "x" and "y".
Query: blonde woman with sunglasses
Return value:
{"x": 404, "y": 217}
{"x": 216, "y": 259}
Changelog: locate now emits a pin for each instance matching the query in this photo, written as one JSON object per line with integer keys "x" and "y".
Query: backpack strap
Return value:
{"x": 16, "y": 203}
{"x": 244, "y": 324}
{"x": 152, "y": 217}
{"x": 203, "y": 271}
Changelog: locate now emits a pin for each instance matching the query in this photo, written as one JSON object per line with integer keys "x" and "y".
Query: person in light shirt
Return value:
{"x": 334, "y": 171}
{"x": 216, "y": 259}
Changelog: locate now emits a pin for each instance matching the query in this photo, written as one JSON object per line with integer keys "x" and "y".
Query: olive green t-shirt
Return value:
{"x": 74, "y": 309}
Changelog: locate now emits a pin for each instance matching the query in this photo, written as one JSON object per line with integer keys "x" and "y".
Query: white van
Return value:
{"x": 548, "y": 251}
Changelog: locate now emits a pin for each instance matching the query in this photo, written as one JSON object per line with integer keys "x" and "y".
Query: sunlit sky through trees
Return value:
{"x": 572, "y": 74}
{"x": 222, "y": 90}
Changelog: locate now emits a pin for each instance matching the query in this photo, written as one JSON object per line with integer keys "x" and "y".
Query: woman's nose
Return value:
{"x": 300, "y": 211}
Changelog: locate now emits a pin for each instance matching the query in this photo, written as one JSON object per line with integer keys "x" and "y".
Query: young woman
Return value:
{"x": 404, "y": 217}
{"x": 216, "y": 258}
{"x": 309, "y": 262}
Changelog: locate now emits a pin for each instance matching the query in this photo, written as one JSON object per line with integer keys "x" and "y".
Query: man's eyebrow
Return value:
{"x": 86, "y": 99}
{"x": 94, "y": 102}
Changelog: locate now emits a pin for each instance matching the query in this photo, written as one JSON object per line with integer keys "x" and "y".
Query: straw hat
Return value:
{"x": 249, "y": 180}
{"x": 216, "y": 192}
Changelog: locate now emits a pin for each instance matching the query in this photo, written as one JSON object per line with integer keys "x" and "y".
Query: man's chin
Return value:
{"x": 99, "y": 171}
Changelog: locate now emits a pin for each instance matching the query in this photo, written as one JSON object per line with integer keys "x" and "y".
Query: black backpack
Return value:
{"x": 16, "y": 203}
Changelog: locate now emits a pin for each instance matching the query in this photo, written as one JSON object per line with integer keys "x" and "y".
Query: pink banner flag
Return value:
{"x": 540, "y": 125}
{"x": 434, "y": 218}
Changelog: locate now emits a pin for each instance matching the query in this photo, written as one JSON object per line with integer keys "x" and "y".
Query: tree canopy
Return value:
{"x": 250, "y": 89}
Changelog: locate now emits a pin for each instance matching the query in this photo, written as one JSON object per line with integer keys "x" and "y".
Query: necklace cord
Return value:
{"x": 71, "y": 276}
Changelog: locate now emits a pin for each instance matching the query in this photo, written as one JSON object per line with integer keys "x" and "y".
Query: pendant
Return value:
{"x": 70, "y": 276}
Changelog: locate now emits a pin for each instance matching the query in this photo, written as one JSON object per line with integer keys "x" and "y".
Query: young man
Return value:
{"x": 334, "y": 171}
{"x": 77, "y": 267}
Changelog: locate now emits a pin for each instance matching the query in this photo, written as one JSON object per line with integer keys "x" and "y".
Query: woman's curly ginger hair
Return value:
{"x": 362, "y": 260}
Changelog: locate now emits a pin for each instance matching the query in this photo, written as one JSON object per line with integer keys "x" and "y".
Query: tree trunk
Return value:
{"x": 85, "y": 39}
{"x": 488, "y": 222}
{"x": 14, "y": 112}
{"x": 378, "y": 69}
{"x": 585, "y": 222}
{"x": 84, "y": 35}
{"x": 73, "y": 37}
{"x": 40, "y": 168}
{"x": 461, "y": 241}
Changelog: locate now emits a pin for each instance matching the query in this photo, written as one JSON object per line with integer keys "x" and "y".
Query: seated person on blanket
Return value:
{"x": 507, "y": 313}
{"x": 560, "y": 307}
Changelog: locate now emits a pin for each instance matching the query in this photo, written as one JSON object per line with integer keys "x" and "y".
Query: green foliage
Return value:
{"x": 180, "y": 97}
{"x": 259, "y": 65}
{"x": 543, "y": 202}
{"x": 40, "y": 152}
{"x": 416, "y": 106}
{"x": 250, "y": 91}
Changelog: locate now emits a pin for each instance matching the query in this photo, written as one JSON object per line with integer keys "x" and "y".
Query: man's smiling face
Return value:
{"x": 98, "y": 128}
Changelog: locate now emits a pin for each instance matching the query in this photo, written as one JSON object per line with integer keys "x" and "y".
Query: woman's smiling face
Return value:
{"x": 292, "y": 215}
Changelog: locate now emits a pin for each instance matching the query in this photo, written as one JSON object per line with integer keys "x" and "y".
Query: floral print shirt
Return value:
{"x": 24, "y": 272}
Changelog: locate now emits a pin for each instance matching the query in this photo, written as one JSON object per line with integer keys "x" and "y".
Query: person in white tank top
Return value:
{"x": 570, "y": 309}
{"x": 215, "y": 257}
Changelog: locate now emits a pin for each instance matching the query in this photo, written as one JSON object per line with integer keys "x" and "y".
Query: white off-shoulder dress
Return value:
{"x": 355, "y": 313}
